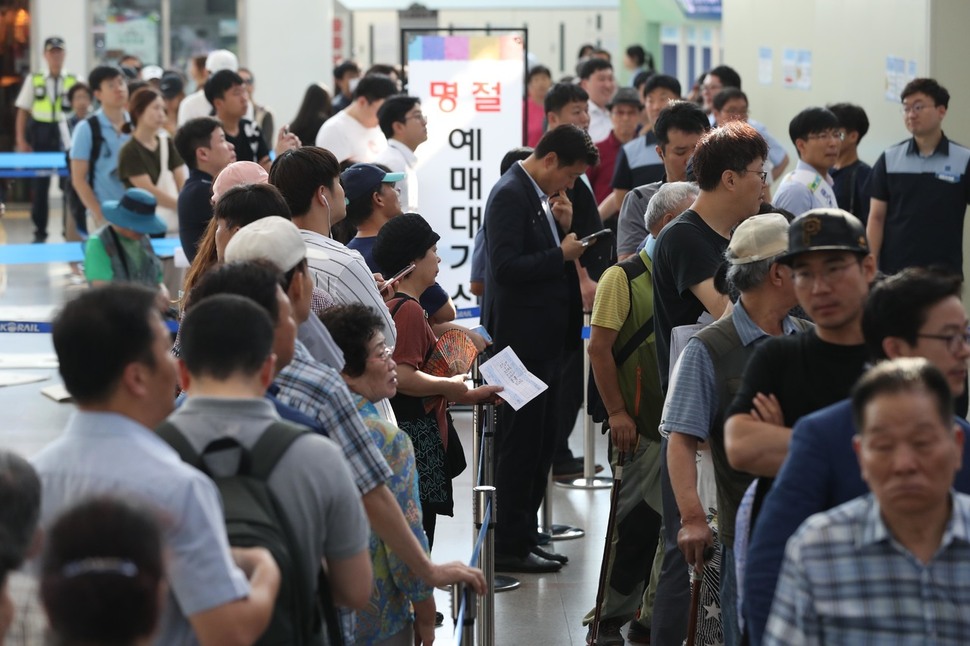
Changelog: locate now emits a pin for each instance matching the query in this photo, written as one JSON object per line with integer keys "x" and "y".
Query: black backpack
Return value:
{"x": 254, "y": 518}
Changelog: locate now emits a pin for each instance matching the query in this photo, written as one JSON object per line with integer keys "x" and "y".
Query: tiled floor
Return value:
{"x": 545, "y": 610}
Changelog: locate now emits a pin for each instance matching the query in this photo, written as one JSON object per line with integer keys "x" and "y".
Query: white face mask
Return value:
{"x": 353, "y": 84}
{"x": 650, "y": 246}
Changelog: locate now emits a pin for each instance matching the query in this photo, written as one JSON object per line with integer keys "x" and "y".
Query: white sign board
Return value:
{"x": 134, "y": 36}
{"x": 471, "y": 89}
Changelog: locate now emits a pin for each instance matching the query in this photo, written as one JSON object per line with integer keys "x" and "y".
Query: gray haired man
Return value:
{"x": 704, "y": 383}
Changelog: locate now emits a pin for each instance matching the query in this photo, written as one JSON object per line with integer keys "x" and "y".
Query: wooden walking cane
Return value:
{"x": 696, "y": 580}
{"x": 610, "y": 526}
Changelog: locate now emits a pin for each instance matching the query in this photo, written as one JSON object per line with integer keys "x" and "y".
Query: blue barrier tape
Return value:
{"x": 43, "y": 164}
{"x": 476, "y": 554}
{"x": 33, "y": 160}
{"x": 585, "y": 333}
{"x": 468, "y": 312}
{"x": 44, "y": 327}
{"x": 25, "y": 327}
{"x": 31, "y": 254}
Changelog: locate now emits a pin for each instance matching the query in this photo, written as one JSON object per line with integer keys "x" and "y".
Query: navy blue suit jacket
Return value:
{"x": 531, "y": 294}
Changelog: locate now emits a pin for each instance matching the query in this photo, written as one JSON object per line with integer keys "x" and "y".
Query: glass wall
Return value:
{"x": 199, "y": 26}
{"x": 195, "y": 27}
{"x": 132, "y": 27}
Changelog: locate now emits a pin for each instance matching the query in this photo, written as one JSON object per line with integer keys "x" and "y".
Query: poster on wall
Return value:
{"x": 765, "y": 66}
{"x": 796, "y": 69}
{"x": 134, "y": 35}
{"x": 804, "y": 70}
{"x": 789, "y": 68}
{"x": 899, "y": 72}
{"x": 471, "y": 88}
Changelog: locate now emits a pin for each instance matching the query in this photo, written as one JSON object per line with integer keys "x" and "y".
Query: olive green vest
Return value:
{"x": 729, "y": 357}
{"x": 639, "y": 375}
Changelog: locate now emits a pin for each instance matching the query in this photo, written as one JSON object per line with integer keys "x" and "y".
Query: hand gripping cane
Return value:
{"x": 696, "y": 579}
{"x": 610, "y": 527}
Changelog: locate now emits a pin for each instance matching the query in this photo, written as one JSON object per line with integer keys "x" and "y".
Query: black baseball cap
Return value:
{"x": 171, "y": 84}
{"x": 825, "y": 230}
{"x": 54, "y": 42}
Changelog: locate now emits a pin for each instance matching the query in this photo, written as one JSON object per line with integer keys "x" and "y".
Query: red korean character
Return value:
{"x": 488, "y": 96}
{"x": 446, "y": 93}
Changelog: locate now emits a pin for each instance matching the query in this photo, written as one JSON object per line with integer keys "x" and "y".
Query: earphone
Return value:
{"x": 327, "y": 204}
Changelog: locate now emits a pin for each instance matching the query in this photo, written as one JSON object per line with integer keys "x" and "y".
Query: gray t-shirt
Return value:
{"x": 631, "y": 230}
{"x": 312, "y": 481}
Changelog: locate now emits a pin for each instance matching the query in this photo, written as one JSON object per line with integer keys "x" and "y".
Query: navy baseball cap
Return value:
{"x": 363, "y": 179}
{"x": 54, "y": 42}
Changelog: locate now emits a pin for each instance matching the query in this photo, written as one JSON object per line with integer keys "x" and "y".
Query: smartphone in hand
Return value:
{"x": 398, "y": 276}
{"x": 593, "y": 237}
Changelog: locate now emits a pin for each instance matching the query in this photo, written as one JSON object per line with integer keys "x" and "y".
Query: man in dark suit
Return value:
{"x": 532, "y": 303}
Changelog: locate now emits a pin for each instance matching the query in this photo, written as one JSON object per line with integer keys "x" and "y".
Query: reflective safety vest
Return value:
{"x": 44, "y": 108}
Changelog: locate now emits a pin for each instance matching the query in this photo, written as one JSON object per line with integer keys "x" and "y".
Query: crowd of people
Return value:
{"x": 783, "y": 378}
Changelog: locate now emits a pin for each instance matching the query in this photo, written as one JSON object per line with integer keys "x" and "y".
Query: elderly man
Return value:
{"x": 891, "y": 566}
{"x": 704, "y": 383}
{"x": 623, "y": 355}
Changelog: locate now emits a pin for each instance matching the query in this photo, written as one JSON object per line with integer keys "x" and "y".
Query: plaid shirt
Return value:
{"x": 846, "y": 580}
{"x": 317, "y": 390}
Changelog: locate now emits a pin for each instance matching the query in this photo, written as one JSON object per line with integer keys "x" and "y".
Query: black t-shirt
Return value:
{"x": 688, "y": 252}
{"x": 248, "y": 142}
{"x": 194, "y": 210}
{"x": 805, "y": 373}
{"x": 586, "y": 220}
{"x": 851, "y": 188}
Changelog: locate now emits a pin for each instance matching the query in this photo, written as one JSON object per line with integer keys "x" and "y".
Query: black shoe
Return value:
{"x": 529, "y": 564}
{"x": 608, "y": 634}
{"x": 439, "y": 619}
{"x": 543, "y": 538}
{"x": 550, "y": 556}
{"x": 40, "y": 238}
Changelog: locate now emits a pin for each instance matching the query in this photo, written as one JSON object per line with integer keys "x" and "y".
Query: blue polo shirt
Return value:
{"x": 926, "y": 200}
{"x": 107, "y": 184}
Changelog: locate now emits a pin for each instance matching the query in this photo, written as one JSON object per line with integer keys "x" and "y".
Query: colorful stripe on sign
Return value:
{"x": 465, "y": 48}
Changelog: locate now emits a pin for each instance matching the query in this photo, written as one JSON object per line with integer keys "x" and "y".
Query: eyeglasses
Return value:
{"x": 829, "y": 275}
{"x": 385, "y": 353}
{"x": 831, "y": 134}
{"x": 916, "y": 108}
{"x": 762, "y": 173}
{"x": 419, "y": 116}
{"x": 954, "y": 342}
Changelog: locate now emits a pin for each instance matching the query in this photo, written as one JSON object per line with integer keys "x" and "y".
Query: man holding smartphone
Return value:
{"x": 532, "y": 303}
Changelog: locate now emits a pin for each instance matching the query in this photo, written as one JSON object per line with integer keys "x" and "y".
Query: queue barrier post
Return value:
{"x": 485, "y": 423}
{"x": 589, "y": 479}
{"x": 485, "y": 502}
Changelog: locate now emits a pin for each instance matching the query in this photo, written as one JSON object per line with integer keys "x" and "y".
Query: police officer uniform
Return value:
{"x": 44, "y": 97}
